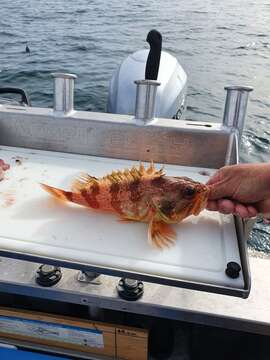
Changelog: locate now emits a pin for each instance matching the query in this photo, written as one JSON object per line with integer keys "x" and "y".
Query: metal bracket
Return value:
{"x": 89, "y": 277}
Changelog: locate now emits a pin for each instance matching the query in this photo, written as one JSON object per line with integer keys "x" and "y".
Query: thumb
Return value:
{"x": 215, "y": 178}
{"x": 218, "y": 185}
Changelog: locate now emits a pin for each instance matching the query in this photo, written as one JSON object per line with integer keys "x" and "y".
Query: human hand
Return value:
{"x": 242, "y": 189}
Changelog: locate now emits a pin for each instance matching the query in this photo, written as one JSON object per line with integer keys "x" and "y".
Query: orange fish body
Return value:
{"x": 145, "y": 195}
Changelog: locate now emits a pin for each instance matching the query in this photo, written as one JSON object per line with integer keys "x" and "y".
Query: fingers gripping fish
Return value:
{"x": 140, "y": 194}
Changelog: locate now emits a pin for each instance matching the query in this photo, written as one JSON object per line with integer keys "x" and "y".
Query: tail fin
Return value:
{"x": 58, "y": 193}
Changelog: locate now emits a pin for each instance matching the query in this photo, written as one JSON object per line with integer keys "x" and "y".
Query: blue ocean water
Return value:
{"x": 218, "y": 43}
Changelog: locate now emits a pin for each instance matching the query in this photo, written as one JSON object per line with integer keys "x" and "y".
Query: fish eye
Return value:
{"x": 189, "y": 192}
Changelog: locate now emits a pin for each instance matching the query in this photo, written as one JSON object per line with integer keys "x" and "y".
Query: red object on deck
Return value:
{"x": 3, "y": 167}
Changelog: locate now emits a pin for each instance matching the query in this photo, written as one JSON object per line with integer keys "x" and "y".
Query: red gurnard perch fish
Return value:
{"x": 140, "y": 194}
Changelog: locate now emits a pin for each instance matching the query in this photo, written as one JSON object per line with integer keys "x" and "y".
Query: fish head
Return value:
{"x": 182, "y": 197}
{"x": 194, "y": 193}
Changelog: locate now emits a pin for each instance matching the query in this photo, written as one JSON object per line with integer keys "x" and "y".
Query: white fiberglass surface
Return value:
{"x": 34, "y": 223}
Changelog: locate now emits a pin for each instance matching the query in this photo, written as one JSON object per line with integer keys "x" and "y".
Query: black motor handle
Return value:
{"x": 24, "y": 97}
{"x": 154, "y": 39}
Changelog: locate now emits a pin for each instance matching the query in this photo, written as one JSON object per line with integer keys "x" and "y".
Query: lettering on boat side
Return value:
{"x": 131, "y": 139}
{"x": 46, "y": 131}
{"x": 163, "y": 145}
{"x": 152, "y": 145}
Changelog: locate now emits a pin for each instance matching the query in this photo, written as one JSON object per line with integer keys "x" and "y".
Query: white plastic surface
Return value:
{"x": 32, "y": 222}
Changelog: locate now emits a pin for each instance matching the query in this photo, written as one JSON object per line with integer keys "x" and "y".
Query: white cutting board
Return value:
{"x": 32, "y": 222}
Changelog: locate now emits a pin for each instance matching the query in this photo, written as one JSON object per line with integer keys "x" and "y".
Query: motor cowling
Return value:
{"x": 170, "y": 99}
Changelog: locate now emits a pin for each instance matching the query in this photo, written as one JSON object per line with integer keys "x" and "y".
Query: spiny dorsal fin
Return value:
{"x": 153, "y": 172}
{"x": 133, "y": 174}
{"x": 83, "y": 181}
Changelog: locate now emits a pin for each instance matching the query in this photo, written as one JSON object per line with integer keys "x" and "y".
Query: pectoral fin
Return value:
{"x": 160, "y": 234}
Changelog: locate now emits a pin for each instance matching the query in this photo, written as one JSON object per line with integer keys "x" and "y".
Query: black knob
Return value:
{"x": 130, "y": 289}
{"x": 233, "y": 269}
{"x": 48, "y": 275}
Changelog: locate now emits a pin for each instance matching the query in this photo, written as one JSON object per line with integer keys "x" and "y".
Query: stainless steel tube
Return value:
{"x": 145, "y": 100}
{"x": 236, "y": 106}
{"x": 63, "y": 92}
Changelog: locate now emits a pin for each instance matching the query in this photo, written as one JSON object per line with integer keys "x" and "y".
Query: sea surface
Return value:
{"x": 217, "y": 42}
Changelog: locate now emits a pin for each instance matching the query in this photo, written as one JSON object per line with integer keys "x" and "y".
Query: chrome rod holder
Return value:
{"x": 236, "y": 107}
{"x": 145, "y": 101}
{"x": 63, "y": 93}
{"x": 234, "y": 118}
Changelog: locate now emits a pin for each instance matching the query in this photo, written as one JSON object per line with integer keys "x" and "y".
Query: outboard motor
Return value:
{"x": 153, "y": 64}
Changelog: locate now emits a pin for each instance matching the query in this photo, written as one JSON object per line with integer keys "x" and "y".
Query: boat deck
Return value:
{"x": 251, "y": 314}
